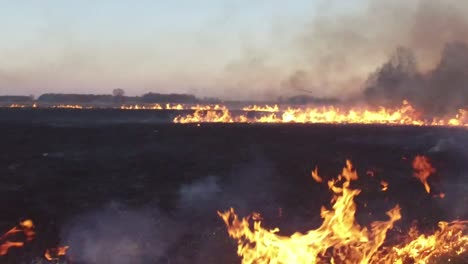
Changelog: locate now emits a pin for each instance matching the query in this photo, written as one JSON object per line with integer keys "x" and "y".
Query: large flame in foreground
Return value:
{"x": 340, "y": 239}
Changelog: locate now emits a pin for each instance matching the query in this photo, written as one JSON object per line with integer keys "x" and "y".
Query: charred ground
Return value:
{"x": 96, "y": 185}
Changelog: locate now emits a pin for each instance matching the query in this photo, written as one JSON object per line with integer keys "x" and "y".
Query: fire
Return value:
{"x": 316, "y": 176}
{"x": 422, "y": 170}
{"x": 55, "y": 253}
{"x": 68, "y": 106}
{"x": 25, "y": 227}
{"x": 450, "y": 239}
{"x": 154, "y": 107}
{"x": 340, "y": 239}
{"x": 141, "y": 107}
{"x": 406, "y": 114}
{"x": 384, "y": 185}
{"x": 17, "y": 106}
{"x": 208, "y": 107}
{"x": 211, "y": 116}
{"x": 174, "y": 107}
{"x": 265, "y": 108}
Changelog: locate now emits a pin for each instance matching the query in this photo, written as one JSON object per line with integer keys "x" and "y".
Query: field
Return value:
{"x": 130, "y": 187}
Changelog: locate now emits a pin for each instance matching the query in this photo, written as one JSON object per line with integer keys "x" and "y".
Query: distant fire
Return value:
{"x": 404, "y": 115}
{"x": 340, "y": 239}
{"x": 211, "y": 116}
{"x": 141, "y": 107}
{"x": 257, "y": 108}
{"x": 62, "y": 106}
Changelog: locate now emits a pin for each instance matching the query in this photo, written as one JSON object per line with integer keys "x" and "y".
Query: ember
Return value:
{"x": 26, "y": 228}
{"x": 422, "y": 170}
{"x": 55, "y": 253}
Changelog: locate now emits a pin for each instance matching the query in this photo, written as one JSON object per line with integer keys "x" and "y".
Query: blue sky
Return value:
{"x": 205, "y": 47}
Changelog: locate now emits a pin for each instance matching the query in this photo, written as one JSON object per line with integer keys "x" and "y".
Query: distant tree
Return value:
{"x": 15, "y": 99}
{"x": 75, "y": 98}
{"x": 118, "y": 92}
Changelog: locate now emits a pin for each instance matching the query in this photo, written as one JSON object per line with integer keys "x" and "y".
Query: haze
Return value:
{"x": 229, "y": 49}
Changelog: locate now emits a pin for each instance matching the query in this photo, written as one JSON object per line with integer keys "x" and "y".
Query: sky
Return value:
{"x": 216, "y": 48}
{"x": 190, "y": 46}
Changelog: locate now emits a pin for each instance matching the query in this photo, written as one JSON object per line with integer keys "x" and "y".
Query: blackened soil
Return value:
{"x": 58, "y": 174}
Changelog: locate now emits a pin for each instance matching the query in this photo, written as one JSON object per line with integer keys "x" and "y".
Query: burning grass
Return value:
{"x": 340, "y": 239}
{"x": 406, "y": 114}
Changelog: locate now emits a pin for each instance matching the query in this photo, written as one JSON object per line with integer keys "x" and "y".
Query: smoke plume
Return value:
{"x": 420, "y": 45}
{"x": 439, "y": 91}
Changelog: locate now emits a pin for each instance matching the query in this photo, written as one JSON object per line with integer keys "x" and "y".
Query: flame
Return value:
{"x": 208, "y": 107}
{"x": 55, "y": 253}
{"x": 210, "y": 116}
{"x": 422, "y": 170}
{"x": 316, "y": 176}
{"x": 450, "y": 239}
{"x": 406, "y": 114}
{"x": 26, "y": 227}
{"x": 17, "y": 106}
{"x": 257, "y": 108}
{"x": 69, "y": 106}
{"x": 141, "y": 107}
{"x": 340, "y": 239}
{"x": 174, "y": 107}
{"x": 384, "y": 185}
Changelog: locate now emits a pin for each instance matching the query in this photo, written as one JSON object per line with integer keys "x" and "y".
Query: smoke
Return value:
{"x": 120, "y": 235}
{"x": 420, "y": 45}
{"x": 439, "y": 91}
{"x": 189, "y": 233}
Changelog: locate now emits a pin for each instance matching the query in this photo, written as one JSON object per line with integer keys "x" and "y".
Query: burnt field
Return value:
{"x": 130, "y": 187}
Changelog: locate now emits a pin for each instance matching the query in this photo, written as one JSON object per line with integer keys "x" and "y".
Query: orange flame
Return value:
{"x": 316, "y": 176}
{"x": 17, "y": 106}
{"x": 174, "y": 107}
{"x": 208, "y": 107}
{"x": 66, "y": 106}
{"x": 384, "y": 185}
{"x": 55, "y": 253}
{"x": 26, "y": 227}
{"x": 340, "y": 239}
{"x": 406, "y": 114}
{"x": 257, "y": 108}
{"x": 141, "y": 107}
{"x": 422, "y": 170}
{"x": 211, "y": 116}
